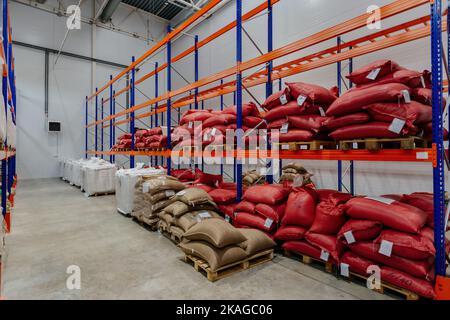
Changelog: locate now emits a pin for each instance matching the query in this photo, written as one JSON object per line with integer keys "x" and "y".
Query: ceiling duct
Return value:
{"x": 109, "y": 10}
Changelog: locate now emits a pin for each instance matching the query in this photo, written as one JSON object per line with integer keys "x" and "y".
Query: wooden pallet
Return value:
{"x": 100, "y": 194}
{"x": 328, "y": 266}
{"x": 408, "y": 143}
{"x": 152, "y": 228}
{"x": 307, "y": 145}
{"x": 228, "y": 270}
{"x": 385, "y": 287}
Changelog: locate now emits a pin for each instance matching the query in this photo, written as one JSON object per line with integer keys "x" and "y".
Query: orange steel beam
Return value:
{"x": 211, "y": 4}
{"x": 200, "y": 44}
{"x": 387, "y": 11}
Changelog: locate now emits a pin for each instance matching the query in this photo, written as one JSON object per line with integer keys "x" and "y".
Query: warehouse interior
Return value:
{"x": 224, "y": 149}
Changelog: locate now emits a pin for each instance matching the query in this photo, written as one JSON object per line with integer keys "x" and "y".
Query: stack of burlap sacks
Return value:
{"x": 220, "y": 244}
{"x": 252, "y": 177}
{"x": 152, "y": 195}
{"x": 295, "y": 173}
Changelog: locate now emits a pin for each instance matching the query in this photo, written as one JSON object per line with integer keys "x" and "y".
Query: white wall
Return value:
{"x": 70, "y": 81}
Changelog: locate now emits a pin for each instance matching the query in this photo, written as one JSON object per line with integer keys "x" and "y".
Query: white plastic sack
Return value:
{"x": 3, "y": 124}
{"x": 99, "y": 178}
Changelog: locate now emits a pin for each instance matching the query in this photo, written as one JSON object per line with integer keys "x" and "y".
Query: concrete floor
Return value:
{"x": 55, "y": 226}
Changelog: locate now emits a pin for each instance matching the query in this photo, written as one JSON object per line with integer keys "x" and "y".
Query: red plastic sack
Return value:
{"x": 332, "y": 124}
{"x": 248, "y": 109}
{"x": 183, "y": 174}
{"x": 139, "y": 145}
{"x": 356, "y": 263}
{"x": 228, "y": 210}
{"x": 222, "y": 196}
{"x": 305, "y": 248}
{"x": 228, "y": 185}
{"x": 403, "y": 280}
{"x": 290, "y": 233}
{"x": 397, "y": 215}
{"x": 267, "y": 194}
{"x": 277, "y": 99}
{"x": 417, "y": 268}
{"x": 126, "y": 143}
{"x": 313, "y": 93}
{"x": 311, "y": 123}
{"x": 323, "y": 194}
{"x": 409, "y": 246}
{"x": 410, "y": 78}
{"x": 356, "y": 98}
{"x": 425, "y": 96}
{"x": 234, "y": 127}
{"x": 359, "y": 230}
{"x": 292, "y": 109}
{"x": 219, "y": 120}
{"x": 300, "y": 208}
{"x": 369, "y": 73}
{"x": 396, "y": 197}
{"x": 277, "y": 124}
{"x": 155, "y": 131}
{"x": 293, "y": 135}
{"x": 274, "y": 212}
{"x": 414, "y": 113}
{"x": 125, "y": 136}
{"x": 212, "y": 180}
{"x": 329, "y": 218}
{"x": 428, "y": 132}
{"x": 325, "y": 242}
{"x": 199, "y": 116}
{"x": 252, "y": 122}
{"x": 245, "y": 206}
{"x": 254, "y": 221}
{"x": 423, "y": 201}
{"x": 141, "y": 133}
{"x": 369, "y": 130}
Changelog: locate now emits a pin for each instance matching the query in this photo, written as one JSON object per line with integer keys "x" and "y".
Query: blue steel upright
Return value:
{"x": 114, "y": 122}
{"x": 111, "y": 138}
{"x": 438, "y": 170}
{"x": 339, "y": 84}
{"x": 221, "y": 108}
{"x": 86, "y": 132}
{"x": 238, "y": 161}
{"x": 156, "y": 104}
{"x": 102, "y": 130}
{"x": 96, "y": 119}
{"x": 269, "y": 84}
{"x": 132, "y": 104}
{"x": 169, "y": 101}
{"x": 352, "y": 163}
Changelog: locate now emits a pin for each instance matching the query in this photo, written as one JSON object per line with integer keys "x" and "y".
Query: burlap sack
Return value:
{"x": 194, "y": 196}
{"x": 167, "y": 218}
{"x": 190, "y": 219}
{"x": 289, "y": 170}
{"x": 162, "y": 225}
{"x": 297, "y": 167}
{"x": 256, "y": 242}
{"x": 176, "y": 231}
{"x": 248, "y": 180}
{"x": 154, "y": 186}
{"x": 178, "y": 208}
{"x": 166, "y": 194}
{"x": 152, "y": 222}
{"x": 216, "y": 258}
{"x": 217, "y": 232}
{"x": 161, "y": 205}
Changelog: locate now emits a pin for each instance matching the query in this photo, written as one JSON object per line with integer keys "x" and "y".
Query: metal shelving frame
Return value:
{"x": 429, "y": 25}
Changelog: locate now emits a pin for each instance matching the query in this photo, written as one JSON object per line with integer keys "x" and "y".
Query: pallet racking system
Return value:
{"x": 422, "y": 27}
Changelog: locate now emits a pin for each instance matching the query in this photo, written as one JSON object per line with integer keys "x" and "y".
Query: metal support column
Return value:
{"x": 438, "y": 170}
{"x": 156, "y": 104}
{"x": 132, "y": 104}
{"x": 114, "y": 122}
{"x": 96, "y": 119}
{"x": 269, "y": 84}
{"x": 111, "y": 136}
{"x": 352, "y": 163}
{"x": 86, "y": 130}
{"x": 169, "y": 101}
{"x": 221, "y": 108}
{"x": 102, "y": 129}
{"x": 238, "y": 161}
{"x": 339, "y": 85}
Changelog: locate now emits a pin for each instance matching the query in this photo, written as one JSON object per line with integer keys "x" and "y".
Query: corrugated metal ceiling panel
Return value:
{"x": 161, "y": 8}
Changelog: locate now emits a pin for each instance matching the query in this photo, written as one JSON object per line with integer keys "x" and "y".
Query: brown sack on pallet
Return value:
{"x": 216, "y": 258}
{"x": 297, "y": 167}
{"x": 194, "y": 196}
{"x": 190, "y": 219}
{"x": 179, "y": 208}
{"x": 166, "y": 194}
{"x": 176, "y": 231}
{"x": 256, "y": 242}
{"x": 217, "y": 232}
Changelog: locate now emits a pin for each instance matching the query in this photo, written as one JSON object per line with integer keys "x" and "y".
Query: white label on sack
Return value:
{"x": 407, "y": 96}
{"x": 386, "y": 248}
{"x": 204, "y": 215}
{"x": 381, "y": 199}
{"x": 181, "y": 193}
{"x": 374, "y": 74}
{"x": 345, "y": 270}
{"x": 283, "y": 99}
{"x": 145, "y": 188}
{"x": 284, "y": 128}
{"x": 190, "y": 125}
{"x": 235, "y": 214}
{"x": 397, "y": 125}
{"x": 227, "y": 219}
{"x": 355, "y": 145}
{"x": 268, "y": 223}
{"x": 301, "y": 100}
{"x": 213, "y": 131}
{"x": 205, "y": 137}
{"x": 349, "y": 237}
{"x": 422, "y": 155}
{"x": 198, "y": 219}
{"x": 322, "y": 112}
{"x": 324, "y": 255}
{"x": 169, "y": 193}
{"x": 285, "y": 147}
{"x": 304, "y": 147}
{"x": 422, "y": 79}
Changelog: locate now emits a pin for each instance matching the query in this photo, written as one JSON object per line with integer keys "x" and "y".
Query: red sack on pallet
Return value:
{"x": 417, "y": 268}
{"x": 428, "y": 132}
{"x": 219, "y": 120}
{"x": 253, "y": 122}
{"x": 141, "y": 133}
{"x": 139, "y": 145}
{"x": 396, "y": 215}
{"x": 323, "y": 194}
{"x": 313, "y": 93}
{"x": 356, "y": 98}
{"x": 126, "y": 143}
{"x": 423, "y": 201}
{"x": 155, "y": 131}
{"x": 332, "y": 124}
{"x": 234, "y": 127}
{"x": 359, "y": 230}
{"x": 248, "y": 109}
{"x": 228, "y": 185}
{"x": 373, "y": 72}
{"x": 228, "y": 210}
{"x": 403, "y": 280}
{"x": 370, "y": 130}
{"x": 410, "y": 78}
{"x": 425, "y": 96}
{"x": 277, "y": 124}
{"x": 245, "y": 206}
{"x": 183, "y": 174}
{"x": 329, "y": 218}
{"x": 327, "y": 243}
{"x": 254, "y": 221}
{"x": 357, "y": 264}
{"x": 222, "y": 196}
{"x": 125, "y": 136}
{"x": 290, "y": 233}
{"x": 311, "y": 122}
{"x": 305, "y": 248}
{"x": 274, "y": 212}
{"x": 396, "y": 197}
{"x": 267, "y": 194}
{"x": 277, "y": 99}
{"x": 293, "y": 135}
{"x": 409, "y": 246}
{"x": 300, "y": 208}
{"x": 292, "y": 109}
{"x": 212, "y": 180}
{"x": 413, "y": 113}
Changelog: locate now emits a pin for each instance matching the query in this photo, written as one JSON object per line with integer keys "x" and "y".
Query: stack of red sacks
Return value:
{"x": 299, "y": 111}
{"x": 123, "y": 142}
{"x": 312, "y": 222}
{"x": 184, "y": 175}
{"x": 263, "y": 208}
{"x": 225, "y": 197}
{"x": 394, "y": 236}
{"x": 388, "y": 102}
{"x": 151, "y": 139}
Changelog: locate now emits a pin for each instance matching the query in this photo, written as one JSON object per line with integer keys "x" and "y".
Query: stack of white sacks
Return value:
{"x": 125, "y": 186}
